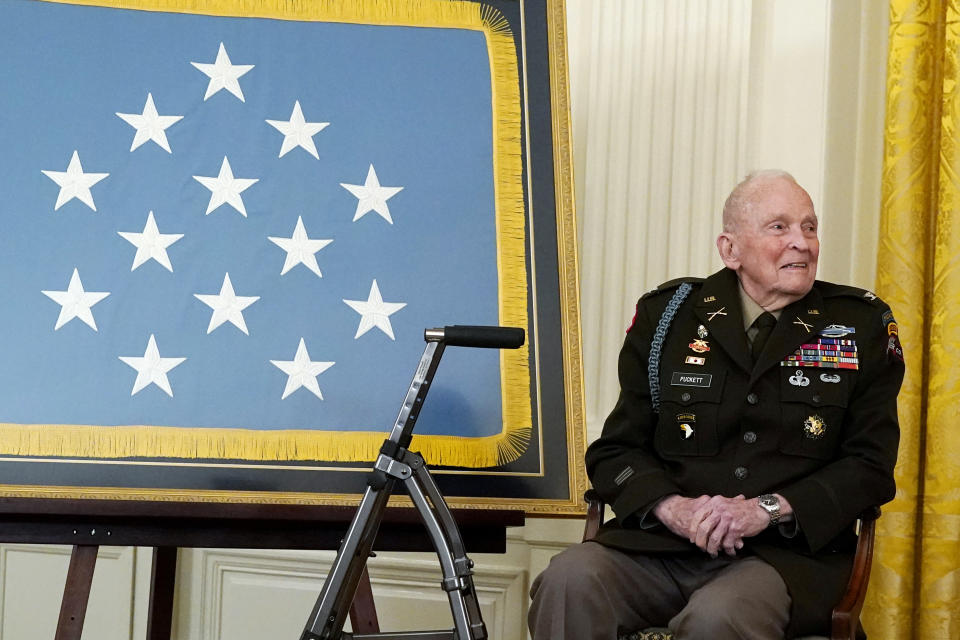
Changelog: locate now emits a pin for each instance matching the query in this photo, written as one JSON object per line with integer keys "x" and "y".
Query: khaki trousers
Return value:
{"x": 592, "y": 592}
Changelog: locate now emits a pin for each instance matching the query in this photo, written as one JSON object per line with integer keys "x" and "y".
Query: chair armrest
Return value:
{"x": 594, "y": 514}
{"x": 846, "y": 614}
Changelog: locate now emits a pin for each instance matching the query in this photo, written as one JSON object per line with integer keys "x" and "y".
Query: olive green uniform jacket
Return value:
{"x": 828, "y": 446}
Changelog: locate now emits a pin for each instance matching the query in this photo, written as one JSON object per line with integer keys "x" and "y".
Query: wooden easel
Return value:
{"x": 168, "y": 526}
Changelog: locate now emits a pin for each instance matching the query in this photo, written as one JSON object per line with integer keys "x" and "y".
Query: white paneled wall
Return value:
{"x": 673, "y": 101}
{"x": 660, "y": 103}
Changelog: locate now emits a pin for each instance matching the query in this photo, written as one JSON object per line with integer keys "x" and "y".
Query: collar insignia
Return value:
{"x": 719, "y": 312}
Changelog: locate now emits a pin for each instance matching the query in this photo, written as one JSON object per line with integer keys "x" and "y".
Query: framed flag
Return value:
{"x": 227, "y": 224}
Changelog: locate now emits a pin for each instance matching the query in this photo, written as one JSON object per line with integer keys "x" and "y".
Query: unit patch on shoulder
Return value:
{"x": 894, "y": 350}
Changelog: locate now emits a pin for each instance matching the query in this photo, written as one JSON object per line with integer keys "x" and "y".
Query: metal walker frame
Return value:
{"x": 397, "y": 464}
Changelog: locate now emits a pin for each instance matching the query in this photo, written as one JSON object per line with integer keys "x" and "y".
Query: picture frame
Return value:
{"x": 498, "y": 175}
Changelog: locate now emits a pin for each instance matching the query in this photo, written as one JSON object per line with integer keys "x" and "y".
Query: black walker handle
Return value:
{"x": 477, "y": 336}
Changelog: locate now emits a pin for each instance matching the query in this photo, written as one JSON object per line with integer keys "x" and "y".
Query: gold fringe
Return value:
{"x": 39, "y": 440}
{"x": 302, "y": 445}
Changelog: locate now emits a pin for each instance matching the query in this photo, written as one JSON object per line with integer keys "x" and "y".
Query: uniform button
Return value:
{"x": 816, "y": 397}
{"x": 685, "y": 397}
{"x": 753, "y": 398}
{"x": 740, "y": 473}
{"x": 750, "y": 437}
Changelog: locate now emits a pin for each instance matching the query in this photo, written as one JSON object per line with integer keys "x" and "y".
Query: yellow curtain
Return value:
{"x": 915, "y": 586}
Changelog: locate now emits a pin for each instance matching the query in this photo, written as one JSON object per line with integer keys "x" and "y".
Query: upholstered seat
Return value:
{"x": 846, "y": 614}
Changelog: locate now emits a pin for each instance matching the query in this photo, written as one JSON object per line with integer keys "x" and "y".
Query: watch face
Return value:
{"x": 769, "y": 502}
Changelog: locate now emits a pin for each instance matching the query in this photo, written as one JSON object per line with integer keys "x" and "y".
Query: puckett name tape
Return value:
{"x": 679, "y": 379}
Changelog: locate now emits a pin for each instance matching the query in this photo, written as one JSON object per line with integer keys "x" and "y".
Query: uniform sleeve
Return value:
{"x": 621, "y": 463}
{"x": 828, "y": 500}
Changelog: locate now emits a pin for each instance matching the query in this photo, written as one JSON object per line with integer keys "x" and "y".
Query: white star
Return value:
{"x": 226, "y": 189}
{"x": 151, "y": 244}
{"x": 149, "y": 125}
{"x": 302, "y": 371}
{"x": 74, "y": 183}
{"x": 223, "y": 74}
{"x": 151, "y": 368}
{"x": 371, "y": 196}
{"x": 227, "y": 306}
{"x": 300, "y": 249}
{"x": 75, "y": 302}
{"x": 297, "y": 132}
{"x": 375, "y": 312}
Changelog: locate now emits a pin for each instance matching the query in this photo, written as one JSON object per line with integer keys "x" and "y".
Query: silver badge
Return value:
{"x": 798, "y": 379}
{"x": 836, "y": 331}
{"x": 702, "y": 332}
{"x": 829, "y": 377}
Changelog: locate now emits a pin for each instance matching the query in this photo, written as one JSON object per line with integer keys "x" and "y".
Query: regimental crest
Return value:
{"x": 814, "y": 427}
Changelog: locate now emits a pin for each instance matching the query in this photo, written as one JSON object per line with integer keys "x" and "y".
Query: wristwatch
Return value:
{"x": 770, "y": 504}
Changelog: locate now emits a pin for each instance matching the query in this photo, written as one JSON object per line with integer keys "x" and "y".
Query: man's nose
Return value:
{"x": 799, "y": 240}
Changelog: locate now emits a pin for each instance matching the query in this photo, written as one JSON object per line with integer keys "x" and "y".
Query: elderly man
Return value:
{"x": 757, "y": 417}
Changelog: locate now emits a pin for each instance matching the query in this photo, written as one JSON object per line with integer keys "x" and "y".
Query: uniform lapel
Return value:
{"x": 718, "y": 308}
{"x": 799, "y": 323}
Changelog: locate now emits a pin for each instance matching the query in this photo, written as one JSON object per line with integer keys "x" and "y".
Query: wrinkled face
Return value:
{"x": 774, "y": 246}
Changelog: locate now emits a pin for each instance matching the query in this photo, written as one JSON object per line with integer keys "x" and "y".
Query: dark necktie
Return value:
{"x": 764, "y": 324}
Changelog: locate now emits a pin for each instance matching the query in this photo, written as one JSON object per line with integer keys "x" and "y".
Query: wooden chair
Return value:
{"x": 846, "y": 614}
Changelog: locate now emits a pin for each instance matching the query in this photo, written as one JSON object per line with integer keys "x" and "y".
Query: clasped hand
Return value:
{"x": 713, "y": 523}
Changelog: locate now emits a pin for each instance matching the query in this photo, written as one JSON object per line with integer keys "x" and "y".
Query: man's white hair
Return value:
{"x": 741, "y": 198}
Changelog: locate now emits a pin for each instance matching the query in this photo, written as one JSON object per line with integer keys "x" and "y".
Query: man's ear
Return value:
{"x": 728, "y": 250}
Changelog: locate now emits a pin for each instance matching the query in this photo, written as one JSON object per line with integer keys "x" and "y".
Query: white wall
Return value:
{"x": 673, "y": 102}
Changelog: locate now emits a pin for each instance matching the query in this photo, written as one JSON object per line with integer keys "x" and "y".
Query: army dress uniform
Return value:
{"x": 813, "y": 419}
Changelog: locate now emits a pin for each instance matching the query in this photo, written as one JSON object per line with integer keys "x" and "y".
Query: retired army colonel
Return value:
{"x": 757, "y": 418}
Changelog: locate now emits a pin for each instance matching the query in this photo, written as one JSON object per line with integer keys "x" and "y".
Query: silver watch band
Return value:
{"x": 770, "y": 504}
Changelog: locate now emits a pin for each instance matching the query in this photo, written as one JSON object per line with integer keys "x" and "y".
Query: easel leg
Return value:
{"x": 76, "y": 592}
{"x": 363, "y": 610}
{"x": 162, "y": 581}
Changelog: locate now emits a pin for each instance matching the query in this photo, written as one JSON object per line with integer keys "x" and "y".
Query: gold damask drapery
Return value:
{"x": 915, "y": 586}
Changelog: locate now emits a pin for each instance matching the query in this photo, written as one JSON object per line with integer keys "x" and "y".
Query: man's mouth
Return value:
{"x": 795, "y": 265}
